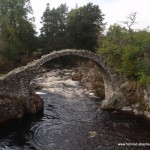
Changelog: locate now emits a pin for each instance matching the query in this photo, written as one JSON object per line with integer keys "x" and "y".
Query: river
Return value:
{"x": 72, "y": 120}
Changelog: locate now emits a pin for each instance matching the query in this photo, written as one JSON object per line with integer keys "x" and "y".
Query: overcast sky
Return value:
{"x": 114, "y": 10}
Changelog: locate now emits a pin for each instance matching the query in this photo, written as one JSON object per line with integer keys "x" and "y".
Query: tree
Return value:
{"x": 130, "y": 56}
{"x": 131, "y": 20}
{"x": 16, "y": 28}
{"x": 53, "y": 32}
{"x": 62, "y": 25}
{"x": 46, "y": 32}
{"x": 113, "y": 44}
{"x": 84, "y": 26}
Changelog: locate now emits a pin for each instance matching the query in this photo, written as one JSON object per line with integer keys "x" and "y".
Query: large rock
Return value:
{"x": 90, "y": 77}
{"x": 138, "y": 97}
{"x": 116, "y": 101}
{"x": 16, "y": 108}
{"x": 137, "y": 94}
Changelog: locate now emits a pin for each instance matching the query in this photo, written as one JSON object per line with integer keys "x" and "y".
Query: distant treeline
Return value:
{"x": 80, "y": 28}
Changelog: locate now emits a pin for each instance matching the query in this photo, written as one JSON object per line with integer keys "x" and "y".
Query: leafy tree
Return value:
{"x": 142, "y": 39}
{"x": 81, "y": 28}
{"x": 84, "y": 26}
{"x": 16, "y": 28}
{"x": 113, "y": 44}
{"x": 129, "y": 55}
{"x": 129, "y": 60}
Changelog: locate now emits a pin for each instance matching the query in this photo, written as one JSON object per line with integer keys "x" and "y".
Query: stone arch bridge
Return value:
{"x": 16, "y": 84}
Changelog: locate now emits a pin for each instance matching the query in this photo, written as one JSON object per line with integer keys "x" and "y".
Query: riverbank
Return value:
{"x": 136, "y": 97}
{"x": 12, "y": 108}
{"x": 72, "y": 119}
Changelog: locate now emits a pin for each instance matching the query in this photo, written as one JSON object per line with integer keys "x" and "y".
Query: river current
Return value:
{"x": 72, "y": 120}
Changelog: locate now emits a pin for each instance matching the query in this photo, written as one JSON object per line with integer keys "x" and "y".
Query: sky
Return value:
{"x": 115, "y": 11}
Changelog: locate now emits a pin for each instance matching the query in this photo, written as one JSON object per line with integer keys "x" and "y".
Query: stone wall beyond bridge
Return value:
{"x": 16, "y": 84}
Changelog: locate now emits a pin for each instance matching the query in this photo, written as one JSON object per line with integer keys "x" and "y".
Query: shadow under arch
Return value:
{"x": 98, "y": 60}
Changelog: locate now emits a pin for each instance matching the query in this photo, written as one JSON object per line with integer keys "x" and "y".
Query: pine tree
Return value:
{"x": 53, "y": 32}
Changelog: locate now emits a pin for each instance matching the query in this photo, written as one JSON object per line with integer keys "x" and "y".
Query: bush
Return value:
{"x": 129, "y": 55}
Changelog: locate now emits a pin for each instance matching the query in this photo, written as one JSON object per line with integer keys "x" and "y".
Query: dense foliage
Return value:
{"x": 17, "y": 34}
{"x": 85, "y": 26}
{"x": 79, "y": 28}
{"x": 53, "y": 32}
{"x": 128, "y": 51}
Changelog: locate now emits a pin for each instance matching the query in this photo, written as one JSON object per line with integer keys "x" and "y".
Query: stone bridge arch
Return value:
{"x": 105, "y": 69}
{"x": 17, "y": 82}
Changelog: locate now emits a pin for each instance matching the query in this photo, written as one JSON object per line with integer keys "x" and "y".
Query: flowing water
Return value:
{"x": 72, "y": 120}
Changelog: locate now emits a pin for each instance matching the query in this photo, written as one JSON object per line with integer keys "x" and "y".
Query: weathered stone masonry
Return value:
{"x": 16, "y": 84}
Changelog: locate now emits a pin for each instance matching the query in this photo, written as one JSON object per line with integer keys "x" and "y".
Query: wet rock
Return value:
{"x": 35, "y": 86}
{"x": 138, "y": 97}
{"x": 10, "y": 109}
{"x": 92, "y": 134}
{"x": 35, "y": 104}
{"x": 147, "y": 94}
{"x": 77, "y": 77}
{"x": 127, "y": 108}
{"x": 16, "y": 108}
{"x": 90, "y": 78}
{"x": 137, "y": 112}
{"x": 116, "y": 101}
{"x": 147, "y": 114}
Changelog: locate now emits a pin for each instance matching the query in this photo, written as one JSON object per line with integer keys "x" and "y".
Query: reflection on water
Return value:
{"x": 72, "y": 120}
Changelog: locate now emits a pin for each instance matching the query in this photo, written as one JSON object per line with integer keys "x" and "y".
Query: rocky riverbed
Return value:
{"x": 73, "y": 120}
{"x": 135, "y": 97}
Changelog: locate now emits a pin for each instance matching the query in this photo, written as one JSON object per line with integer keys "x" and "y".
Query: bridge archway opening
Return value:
{"x": 17, "y": 82}
{"x": 59, "y": 62}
